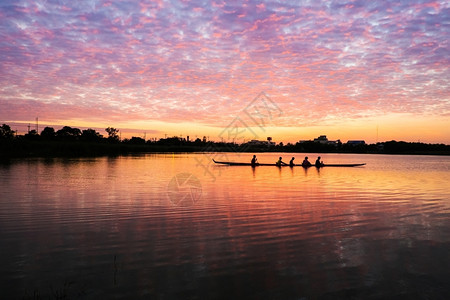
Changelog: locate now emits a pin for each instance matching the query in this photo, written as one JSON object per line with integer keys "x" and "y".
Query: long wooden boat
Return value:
{"x": 229, "y": 163}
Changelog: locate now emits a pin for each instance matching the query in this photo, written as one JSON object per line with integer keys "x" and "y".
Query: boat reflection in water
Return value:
{"x": 110, "y": 227}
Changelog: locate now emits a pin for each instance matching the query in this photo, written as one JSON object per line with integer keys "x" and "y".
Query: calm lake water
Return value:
{"x": 173, "y": 226}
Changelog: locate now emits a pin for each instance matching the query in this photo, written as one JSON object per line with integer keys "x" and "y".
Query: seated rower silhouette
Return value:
{"x": 318, "y": 162}
{"x": 254, "y": 161}
{"x": 291, "y": 162}
{"x": 280, "y": 162}
{"x": 306, "y": 162}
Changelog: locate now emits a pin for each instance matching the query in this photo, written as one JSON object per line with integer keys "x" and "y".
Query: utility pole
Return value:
{"x": 37, "y": 125}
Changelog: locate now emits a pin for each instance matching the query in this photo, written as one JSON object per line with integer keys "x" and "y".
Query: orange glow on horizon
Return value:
{"x": 399, "y": 127}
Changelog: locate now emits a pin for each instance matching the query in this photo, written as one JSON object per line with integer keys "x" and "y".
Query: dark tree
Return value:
{"x": 113, "y": 134}
{"x": 91, "y": 135}
{"x": 6, "y": 132}
{"x": 136, "y": 141}
{"x": 68, "y": 132}
{"x": 48, "y": 133}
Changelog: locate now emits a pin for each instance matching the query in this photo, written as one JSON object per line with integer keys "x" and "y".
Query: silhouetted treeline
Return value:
{"x": 390, "y": 147}
{"x": 69, "y": 141}
{"x": 415, "y": 148}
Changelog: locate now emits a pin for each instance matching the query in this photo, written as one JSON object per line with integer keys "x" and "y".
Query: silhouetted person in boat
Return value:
{"x": 319, "y": 163}
{"x": 291, "y": 162}
{"x": 306, "y": 162}
{"x": 254, "y": 161}
{"x": 280, "y": 162}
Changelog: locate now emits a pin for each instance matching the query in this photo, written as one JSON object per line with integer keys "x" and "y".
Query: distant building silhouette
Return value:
{"x": 322, "y": 140}
{"x": 261, "y": 143}
{"x": 356, "y": 142}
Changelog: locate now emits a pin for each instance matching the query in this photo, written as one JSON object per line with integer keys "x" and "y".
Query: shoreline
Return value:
{"x": 50, "y": 149}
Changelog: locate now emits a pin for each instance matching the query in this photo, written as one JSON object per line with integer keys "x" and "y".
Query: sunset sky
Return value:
{"x": 372, "y": 70}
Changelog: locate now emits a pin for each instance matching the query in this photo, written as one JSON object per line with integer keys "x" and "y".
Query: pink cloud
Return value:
{"x": 180, "y": 61}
